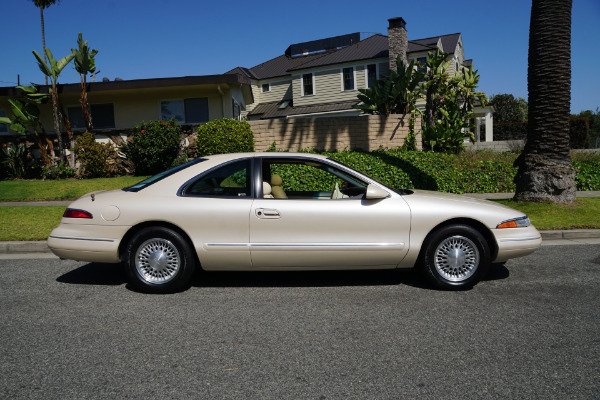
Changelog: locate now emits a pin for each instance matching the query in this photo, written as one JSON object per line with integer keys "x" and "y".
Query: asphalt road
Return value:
{"x": 72, "y": 330}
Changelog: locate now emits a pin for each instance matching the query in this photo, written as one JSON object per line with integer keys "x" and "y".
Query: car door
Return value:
{"x": 325, "y": 221}
{"x": 217, "y": 206}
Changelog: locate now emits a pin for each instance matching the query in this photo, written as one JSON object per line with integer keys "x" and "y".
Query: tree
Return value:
{"x": 42, "y": 4}
{"x": 26, "y": 116}
{"x": 84, "y": 64}
{"x": 397, "y": 94}
{"x": 510, "y": 117}
{"x": 449, "y": 104}
{"x": 52, "y": 69}
{"x": 545, "y": 172}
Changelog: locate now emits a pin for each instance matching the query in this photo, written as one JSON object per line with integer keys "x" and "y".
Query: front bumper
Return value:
{"x": 516, "y": 242}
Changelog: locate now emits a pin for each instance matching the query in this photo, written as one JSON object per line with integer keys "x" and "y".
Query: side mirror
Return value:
{"x": 375, "y": 193}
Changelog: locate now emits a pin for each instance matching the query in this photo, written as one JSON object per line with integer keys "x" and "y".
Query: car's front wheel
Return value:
{"x": 159, "y": 260}
{"x": 455, "y": 257}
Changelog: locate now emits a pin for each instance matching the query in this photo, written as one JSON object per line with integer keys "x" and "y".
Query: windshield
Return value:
{"x": 153, "y": 179}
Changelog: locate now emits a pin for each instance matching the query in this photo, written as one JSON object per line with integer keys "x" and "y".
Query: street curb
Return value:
{"x": 41, "y": 246}
{"x": 14, "y": 247}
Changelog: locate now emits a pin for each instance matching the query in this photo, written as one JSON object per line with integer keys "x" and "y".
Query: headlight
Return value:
{"x": 522, "y": 222}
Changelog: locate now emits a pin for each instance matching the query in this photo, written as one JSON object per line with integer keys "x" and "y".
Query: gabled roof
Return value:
{"x": 278, "y": 66}
{"x": 375, "y": 46}
{"x": 274, "y": 109}
{"x": 448, "y": 42}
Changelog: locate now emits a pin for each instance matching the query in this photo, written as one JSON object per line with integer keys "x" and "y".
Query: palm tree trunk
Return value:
{"x": 61, "y": 147}
{"x": 44, "y": 40}
{"x": 84, "y": 104}
{"x": 545, "y": 170}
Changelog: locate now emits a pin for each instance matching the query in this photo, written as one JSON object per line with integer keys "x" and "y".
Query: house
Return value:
{"x": 118, "y": 105}
{"x": 321, "y": 78}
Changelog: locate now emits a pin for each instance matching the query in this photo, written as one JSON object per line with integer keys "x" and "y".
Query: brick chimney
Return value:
{"x": 398, "y": 41}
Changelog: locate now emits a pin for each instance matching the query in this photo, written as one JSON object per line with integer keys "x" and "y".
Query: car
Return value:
{"x": 286, "y": 211}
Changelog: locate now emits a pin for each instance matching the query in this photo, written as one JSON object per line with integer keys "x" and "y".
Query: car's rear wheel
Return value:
{"x": 455, "y": 257}
{"x": 159, "y": 260}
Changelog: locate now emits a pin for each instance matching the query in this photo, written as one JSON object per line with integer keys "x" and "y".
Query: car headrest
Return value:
{"x": 276, "y": 180}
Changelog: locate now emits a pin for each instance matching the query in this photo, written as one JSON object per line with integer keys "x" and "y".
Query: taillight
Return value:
{"x": 74, "y": 213}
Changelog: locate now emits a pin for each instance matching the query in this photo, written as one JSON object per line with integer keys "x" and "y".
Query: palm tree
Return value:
{"x": 545, "y": 169}
{"x": 52, "y": 69}
{"x": 41, "y": 4}
{"x": 84, "y": 64}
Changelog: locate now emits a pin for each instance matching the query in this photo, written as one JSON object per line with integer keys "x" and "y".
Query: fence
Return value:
{"x": 334, "y": 133}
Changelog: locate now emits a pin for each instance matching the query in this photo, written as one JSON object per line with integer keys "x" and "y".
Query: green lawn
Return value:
{"x": 60, "y": 189}
{"x": 584, "y": 213}
{"x": 36, "y": 223}
{"x": 28, "y": 223}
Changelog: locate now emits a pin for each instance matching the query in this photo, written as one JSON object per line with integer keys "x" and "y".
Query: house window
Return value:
{"x": 188, "y": 111}
{"x": 3, "y": 127}
{"x": 348, "y": 78}
{"x": 422, "y": 64}
{"x": 103, "y": 116}
{"x": 307, "y": 85}
{"x": 266, "y": 87}
{"x": 237, "y": 109}
{"x": 371, "y": 75}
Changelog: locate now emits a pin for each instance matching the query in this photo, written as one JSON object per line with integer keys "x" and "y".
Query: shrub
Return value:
{"x": 224, "y": 136}
{"x": 97, "y": 159}
{"x": 17, "y": 162}
{"x": 58, "y": 170}
{"x": 154, "y": 146}
{"x": 469, "y": 172}
{"x": 588, "y": 175}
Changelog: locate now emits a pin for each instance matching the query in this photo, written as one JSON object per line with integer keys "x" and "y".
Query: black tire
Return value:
{"x": 455, "y": 257}
{"x": 159, "y": 260}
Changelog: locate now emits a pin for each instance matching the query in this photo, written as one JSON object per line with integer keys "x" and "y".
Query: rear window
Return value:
{"x": 153, "y": 179}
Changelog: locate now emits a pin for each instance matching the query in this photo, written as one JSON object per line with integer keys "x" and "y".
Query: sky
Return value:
{"x": 140, "y": 39}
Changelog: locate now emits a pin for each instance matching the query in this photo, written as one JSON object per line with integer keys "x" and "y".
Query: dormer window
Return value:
{"x": 371, "y": 75}
{"x": 266, "y": 87}
{"x": 348, "y": 78}
{"x": 308, "y": 84}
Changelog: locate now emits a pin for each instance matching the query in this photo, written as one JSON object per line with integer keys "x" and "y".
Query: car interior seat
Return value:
{"x": 276, "y": 189}
{"x": 267, "y": 190}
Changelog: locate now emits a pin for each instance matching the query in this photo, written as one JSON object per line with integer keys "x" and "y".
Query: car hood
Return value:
{"x": 456, "y": 197}
{"x": 448, "y": 206}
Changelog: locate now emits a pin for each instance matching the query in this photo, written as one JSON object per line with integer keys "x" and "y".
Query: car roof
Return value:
{"x": 276, "y": 154}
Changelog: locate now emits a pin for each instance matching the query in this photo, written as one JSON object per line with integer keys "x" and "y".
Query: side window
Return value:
{"x": 371, "y": 75}
{"x": 307, "y": 85}
{"x": 309, "y": 180}
{"x": 231, "y": 180}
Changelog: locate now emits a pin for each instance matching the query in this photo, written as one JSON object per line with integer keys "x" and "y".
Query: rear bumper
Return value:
{"x": 516, "y": 242}
{"x": 86, "y": 242}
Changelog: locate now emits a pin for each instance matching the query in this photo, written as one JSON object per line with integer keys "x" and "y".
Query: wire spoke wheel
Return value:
{"x": 456, "y": 258}
{"x": 157, "y": 260}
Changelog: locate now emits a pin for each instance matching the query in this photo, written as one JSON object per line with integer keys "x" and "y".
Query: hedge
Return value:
{"x": 447, "y": 173}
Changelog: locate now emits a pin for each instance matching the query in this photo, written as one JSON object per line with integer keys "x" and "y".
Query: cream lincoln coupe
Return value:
{"x": 286, "y": 211}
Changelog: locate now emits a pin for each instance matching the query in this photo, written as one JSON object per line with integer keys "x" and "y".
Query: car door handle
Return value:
{"x": 267, "y": 213}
